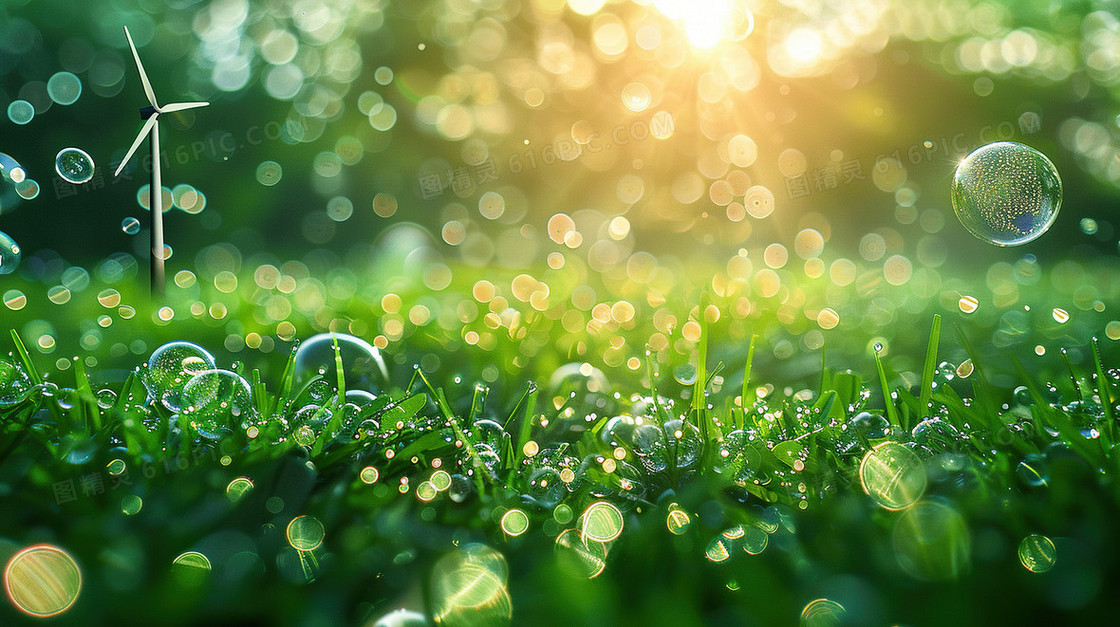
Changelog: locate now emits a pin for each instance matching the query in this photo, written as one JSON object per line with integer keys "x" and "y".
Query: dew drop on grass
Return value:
{"x": 1006, "y": 193}
{"x": 1037, "y": 553}
{"x": 9, "y": 254}
{"x": 42, "y": 580}
{"x": 892, "y": 475}
{"x": 213, "y": 401}
{"x": 74, "y": 165}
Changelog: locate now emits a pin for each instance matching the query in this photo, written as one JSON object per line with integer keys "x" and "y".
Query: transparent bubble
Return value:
{"x": 362, "y": 365}
{"x": 892, "y": 475}
{"x": 42, "y": 580}
{"x": 1037, "y": 553}
{"x": 212, "y": 400}
{"x": 9, "y": 254}
{"x": 238, "y": 489}
{"x": 64, "y": 88}
{"x": 169, "y": 369}
{"x": 602, "y": 522}
{"x": 130, "y": 226}
{"x": 678, "y": 520}
{"x": 131, "y": 505}
{"x": 21, "y": 112}
{"x": 515, "y": 522}
{"x": 1007, "y": 193}
{"x": 305, "y": 533}
{"x": 74, "y": 165}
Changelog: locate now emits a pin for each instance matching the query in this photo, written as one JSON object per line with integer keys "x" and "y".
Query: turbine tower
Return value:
{"x": 151, "y": 113}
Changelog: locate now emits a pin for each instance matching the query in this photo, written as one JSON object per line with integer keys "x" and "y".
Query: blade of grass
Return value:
{"x": 24, "y": 357}
{"x": 340, "y": 375}
{"x": 930, "y": 365}
{"x": 1103, "y": 391}
{"x": 743, "y": 399}
{"x": 86, "y": 399}
{"x": 892, "y": 411}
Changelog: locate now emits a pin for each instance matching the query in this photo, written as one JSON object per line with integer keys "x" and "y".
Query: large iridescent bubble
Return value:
{"x": 1006, "y": 193}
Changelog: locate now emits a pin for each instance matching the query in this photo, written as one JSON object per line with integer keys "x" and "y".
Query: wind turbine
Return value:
{"x": 151, "y": 113}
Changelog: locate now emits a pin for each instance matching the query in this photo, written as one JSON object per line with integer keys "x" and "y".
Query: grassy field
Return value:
{"x": 710, "y": 509}
{"x": 561, "y": 312}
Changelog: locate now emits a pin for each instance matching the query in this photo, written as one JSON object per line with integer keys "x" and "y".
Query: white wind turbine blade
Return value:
{"x": 144, "y": 130}
{"x": 143, "y": 75}
{"x": 182, "y": 106}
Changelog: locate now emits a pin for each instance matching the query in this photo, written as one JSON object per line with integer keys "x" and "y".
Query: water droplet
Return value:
{"x": 362, "y": 364}
{"x": 169, "y": 369}
{"x": 968, "y": 304}
{"x": 515, "y": 522}
{"x": 74, "y": 165}
{"x": 602, "y": 522}
{"x": 1006, "y": 193}
{"x": 892, "y": 475}
{"x": 1037, "y": 553}
{"x": 305, "y": 533}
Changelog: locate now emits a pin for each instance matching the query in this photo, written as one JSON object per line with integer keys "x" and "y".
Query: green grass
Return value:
{"x": 745, "y": 457}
